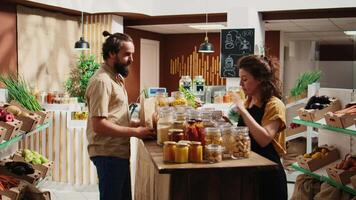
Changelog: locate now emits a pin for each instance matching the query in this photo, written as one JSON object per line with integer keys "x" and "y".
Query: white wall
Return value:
{"x": 164, "y": 7}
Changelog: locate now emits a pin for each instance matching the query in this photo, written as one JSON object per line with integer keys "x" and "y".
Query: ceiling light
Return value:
{"x": 81, "y": 44}
{"x": 206, "y": 47}
{"x": 351, "y": 33}
{"x": 207, "y": 26}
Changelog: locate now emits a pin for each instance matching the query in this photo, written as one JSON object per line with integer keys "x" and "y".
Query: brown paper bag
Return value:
{"x": 305, "y": 188}
{"x": 146, "y": 111}
{"x": 328, "y": 192}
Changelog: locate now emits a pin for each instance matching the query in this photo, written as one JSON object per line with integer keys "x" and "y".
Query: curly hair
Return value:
{"x": 113, "y": 43}
{"x": 264, "y": 69}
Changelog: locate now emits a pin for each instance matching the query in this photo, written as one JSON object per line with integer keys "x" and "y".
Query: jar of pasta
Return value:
{"x": 182, "y": 153}
{"x": 213, "y": 136}
{"x": 228, "y": 140}
{"x": 169, "y": 150}
{"x": 213, "y": 153}
{"x": 243, "y": 143}
{"x": 195, "y": 152}
{"x": 164, "y": 123}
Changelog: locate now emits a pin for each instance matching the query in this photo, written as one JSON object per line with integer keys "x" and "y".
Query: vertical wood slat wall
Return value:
{"x": 198, "y": 64}
{"x": 94, "y": 25}
{"x": 67, "y": 148}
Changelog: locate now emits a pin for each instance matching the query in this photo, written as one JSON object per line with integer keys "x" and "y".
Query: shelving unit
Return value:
{"x": 23, "y": 135}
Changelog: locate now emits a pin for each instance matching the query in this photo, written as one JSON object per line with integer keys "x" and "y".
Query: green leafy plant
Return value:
{"x": 77, "y": 83}
{"x": 303, "y": 81}
{"x": 19, "y": 91}
{"x": 189, "y": 96}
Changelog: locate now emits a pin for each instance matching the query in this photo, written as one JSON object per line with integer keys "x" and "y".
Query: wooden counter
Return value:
{"x": 229, "y": 179}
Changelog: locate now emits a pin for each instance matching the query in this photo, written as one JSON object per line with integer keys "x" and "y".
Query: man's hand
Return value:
{"x": 144, "y": 132}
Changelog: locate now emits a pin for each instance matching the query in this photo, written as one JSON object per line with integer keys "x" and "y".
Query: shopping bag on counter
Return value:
{"x": 305, "y": 188}
{"x": 328, "y": 192}
{"x": 147, "y": 110}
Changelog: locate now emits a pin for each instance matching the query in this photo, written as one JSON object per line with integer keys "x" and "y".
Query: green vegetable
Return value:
{"x": 34, "y": 157}
{"x": 303, "y": 81}
{"x": 189, "y": 96}
{"x": 18, "y": 90}
{"x": 233, "y": 115}
{"x": 78, "y": 81}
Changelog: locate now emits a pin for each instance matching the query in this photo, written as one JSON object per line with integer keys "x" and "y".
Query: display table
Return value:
{"x": 229, "y": 179}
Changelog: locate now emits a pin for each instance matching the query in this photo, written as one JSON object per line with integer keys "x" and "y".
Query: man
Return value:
{"x": 108, "y": 128}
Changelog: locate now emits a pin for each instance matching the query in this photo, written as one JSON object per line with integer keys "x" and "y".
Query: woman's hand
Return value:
{"x": 239, "y": 103}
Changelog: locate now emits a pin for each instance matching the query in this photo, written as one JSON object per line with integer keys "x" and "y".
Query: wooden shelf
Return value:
{"x": 23, "y": 135}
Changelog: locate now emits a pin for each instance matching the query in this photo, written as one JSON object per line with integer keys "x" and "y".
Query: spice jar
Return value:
{"x": 175, "y": 135}
{"x": 169, "y": 150}
{"x": 228, "y": 140}
{"x": 243, "y": 143}
{"x": 213, "y": 153}
{"x": 213, "y": 136}
{"x": 164, "y": 123}
{"x": 181, "y": 154}
{"x": 196, "y": 152}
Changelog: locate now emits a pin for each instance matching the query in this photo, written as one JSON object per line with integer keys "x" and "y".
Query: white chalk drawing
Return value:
{"x": 235, "y": 39}
{"x": 229, "y": 70}
{"x": 229, "y": 43}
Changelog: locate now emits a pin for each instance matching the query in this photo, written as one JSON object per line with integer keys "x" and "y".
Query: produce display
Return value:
{"x": 7, "y": 182}
{"x": 303, "y": 81}
{"x": 19, "y": 168}
{"x": 6, "y": 116}
{"x": 318, "y": 102}
{"x": 294, "y": 125}
{"x": 318, "y": 152}
{"x": 80, "y": 115}
{"x": 34, "y": 157}
{"x": 349, "y": 110}
{"x": 348, "y": 163}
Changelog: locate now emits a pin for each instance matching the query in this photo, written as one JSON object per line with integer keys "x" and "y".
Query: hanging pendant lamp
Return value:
{"x": 206, "y": 46}
{"x": 81, "y": 44}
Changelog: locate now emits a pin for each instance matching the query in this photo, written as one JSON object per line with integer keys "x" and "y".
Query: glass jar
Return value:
{"x": 180, "y": 116}
{"x": 219, "y": 97}
{"x": 199, "y": 85}
{"x": 182, "y": 152}
{"x": 178, "y": 99}
{"x": 228, "y": 140}
{"x": 242, "y": 148}
{"x": 164, "y": 123}
{"x": 50, "y": 97}
{"x": 207, "y": 118}
{"x": 161, "y": 99}
{"x": 227, "y": 97}
{"x": 169, "y": 150}
{"x": 196, "y": 152}
{"x": 213, "y": 153}
{"x": 194, "y": 129}
{"x": 213, "y": 136}
{"x": 175, "y": 135}
{"x": 43, "y": 97}
{"x": 186, "y": 82}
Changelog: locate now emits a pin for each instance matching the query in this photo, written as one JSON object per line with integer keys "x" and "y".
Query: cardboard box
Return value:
{"x": 12, "y": 128}
{"x": 340, "y": 175}
{"x": 31, "y": 178}
{"x": 353, "y": 181}
{"x": 2, "y": 133}
{"x": 43, "y": 168}
{"x": 30, "y": 122}
{"x": 313, "y": 164}
{"x": 339, "y": 121}
{"x": 315, "y": 114}
{"x": 15, "y": 193}
{"x": 293, "y": 131}
{"x": 45, "y": 116}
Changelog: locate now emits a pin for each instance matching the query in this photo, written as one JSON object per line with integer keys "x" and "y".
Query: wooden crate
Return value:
{"x": 43, "y": 168}
{"x": 31, "y": 178}
{"x": 340, "y": 175}
{"x": 339, "y": 121}
{"x": 312, "y": 164}
{"x": 15, "y": 193}
{"x": 30, "y": 122}
{"x": 12, "y": 128}
{"x": 315, "y": 114}
{"x": 293, "y": 131}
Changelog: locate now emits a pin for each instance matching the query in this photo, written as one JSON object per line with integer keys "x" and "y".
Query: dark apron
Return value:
{"x": 273, "y": 183}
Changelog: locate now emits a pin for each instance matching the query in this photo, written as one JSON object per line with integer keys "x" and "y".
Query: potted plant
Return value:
{"x": 77, "y": 83}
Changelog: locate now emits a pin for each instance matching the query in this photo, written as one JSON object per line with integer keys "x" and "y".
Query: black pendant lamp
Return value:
{"x": 206, "y": 46}
{"x": 81, "y": 44}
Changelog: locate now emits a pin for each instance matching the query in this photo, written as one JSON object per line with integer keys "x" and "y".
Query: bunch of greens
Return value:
{"x": 77, "y": 83}
{"x": 189, "y": 96}
{"x": 303, "y": 81}
{"x": 19, "y": 91}
{"x": 234, "y": 115}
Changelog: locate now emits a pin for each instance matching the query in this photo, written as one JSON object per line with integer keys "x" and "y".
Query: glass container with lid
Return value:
{"x": 199, "y": 85}
{"x": 164, "y": 123}
{"x": 175, "y": 135}
{"x": 213, "y": 136}
{"x": 182, "y": 153}
{"x": 242, "y": 148}
{"x": 195, "y": 152}
{"x": 169, "y": 150}
{"x": 178, "y": 99}
{"x": 213, "y": 153}
{"x": 186, "y": 82}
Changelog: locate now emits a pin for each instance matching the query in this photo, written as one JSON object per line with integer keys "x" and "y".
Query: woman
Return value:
{"x": 264, "y": 114}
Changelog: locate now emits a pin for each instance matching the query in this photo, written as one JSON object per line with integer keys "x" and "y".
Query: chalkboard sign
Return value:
{"x": 235, "y": 43}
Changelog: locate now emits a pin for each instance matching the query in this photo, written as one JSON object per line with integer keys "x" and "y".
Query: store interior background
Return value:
{"x": 37, "y": 37}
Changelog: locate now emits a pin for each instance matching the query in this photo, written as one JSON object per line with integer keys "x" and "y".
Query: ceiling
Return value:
{"x": 326, "y": 30}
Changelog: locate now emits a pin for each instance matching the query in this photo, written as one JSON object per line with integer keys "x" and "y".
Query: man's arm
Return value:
{"x": 103, "y": 126}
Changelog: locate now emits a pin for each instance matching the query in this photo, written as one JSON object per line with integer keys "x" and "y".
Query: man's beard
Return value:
{"x": 122, "y": 69}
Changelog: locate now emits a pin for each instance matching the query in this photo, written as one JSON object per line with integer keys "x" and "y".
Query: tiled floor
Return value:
{"x": 60, "y": 191}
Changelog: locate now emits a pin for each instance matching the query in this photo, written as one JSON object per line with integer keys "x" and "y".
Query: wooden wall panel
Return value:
{"x": 8, "y": 39}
